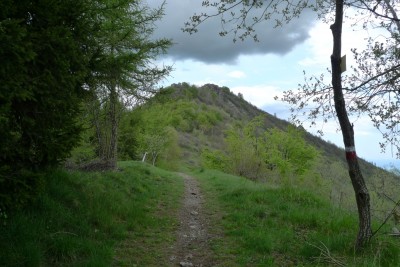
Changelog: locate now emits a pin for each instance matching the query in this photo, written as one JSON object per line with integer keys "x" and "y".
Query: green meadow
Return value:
{"x": 129, "y": 218}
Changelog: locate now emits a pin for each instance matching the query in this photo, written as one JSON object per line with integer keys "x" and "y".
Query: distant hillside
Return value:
{"x": 234, "y": 108}
{"x": 202, "y": 115}
{"x": 230, "y": 109}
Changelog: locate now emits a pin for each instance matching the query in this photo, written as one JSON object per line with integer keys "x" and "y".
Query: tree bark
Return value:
{"x": 155, "y": 154}
{"x": 357, "y": 180}
{"x": 112, "y": 150}
{"x": 144, "y": 157}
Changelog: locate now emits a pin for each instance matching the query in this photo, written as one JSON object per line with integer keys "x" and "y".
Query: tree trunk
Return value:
{"x": 155, "y": 154}
{"x": 96, "y": 122}
{"x": 144, "y": 157}
{"x": 112, "y": 150}
{"x": 357, "y": 180}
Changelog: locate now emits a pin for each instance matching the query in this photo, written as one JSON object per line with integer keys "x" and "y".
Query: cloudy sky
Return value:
{"x": 262, "y": 70}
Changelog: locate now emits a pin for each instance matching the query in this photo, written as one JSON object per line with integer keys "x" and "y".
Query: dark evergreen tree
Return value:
{"x": 43, "y": 65}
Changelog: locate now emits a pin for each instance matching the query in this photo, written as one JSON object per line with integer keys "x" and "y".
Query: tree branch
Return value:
{"x": 373, "y": 78}
{"x": 373, "y": 11}
{"x": 386, "y": 219}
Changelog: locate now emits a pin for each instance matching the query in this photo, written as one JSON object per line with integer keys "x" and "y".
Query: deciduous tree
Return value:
{"x": 252, "y": 150}
{"x": 243, "y": 152}
{"x": 240, "y": 16}
{"x": 288, "y": 151}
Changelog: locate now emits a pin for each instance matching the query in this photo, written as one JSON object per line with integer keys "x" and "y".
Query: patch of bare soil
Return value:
{"x": 192, "y": 245}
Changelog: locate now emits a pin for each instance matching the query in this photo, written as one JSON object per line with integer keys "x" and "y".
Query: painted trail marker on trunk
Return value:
{"x": 343, "y": 64}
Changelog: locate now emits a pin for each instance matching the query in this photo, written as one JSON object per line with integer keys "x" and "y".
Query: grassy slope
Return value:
{"x": 128, "y": 218}
{"x": 83, "y": 219}
{"x": 181, "y": 99}
{"x": 271, "y": 226}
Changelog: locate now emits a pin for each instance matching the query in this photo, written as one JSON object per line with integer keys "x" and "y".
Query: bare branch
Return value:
{"x": 387, "y": 218}
{"x": 374, "y": 78}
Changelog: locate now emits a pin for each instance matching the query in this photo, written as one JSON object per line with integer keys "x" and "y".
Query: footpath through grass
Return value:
{"x": 83, "y": 219}
{"x": 128, "y": 218}
{"x": 270, "y": 226}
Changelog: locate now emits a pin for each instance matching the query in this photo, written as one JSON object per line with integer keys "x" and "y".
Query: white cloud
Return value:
{"x": 318, "y": 46}
{"x": 258, "y": 95}
{"x": 237, "y": 74}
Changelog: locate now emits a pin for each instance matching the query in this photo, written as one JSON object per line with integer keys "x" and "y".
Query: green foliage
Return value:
{"x": 214, "y": 159}
{"x": 185, "y": 114}
{"x": 171, "y": 155}
{"x": 191, "y": 91}
{"x": 3, "y": 217}
{"x": 252, "y": 150}
{"x": 83, "y": 153}
{"x": 244, "y": 153}
{"x": 54, "y": 55}
{"x": 127, "y": 140}
{"x": 289, "y": 151}
{"x": 41, "y": 108}
{"x": 157, "y": 124}
{"x": 19, "y": 190}
{"x": 42, "y": 71}
{"x": 123, "y": 69}
{"x": 83, "y": 219}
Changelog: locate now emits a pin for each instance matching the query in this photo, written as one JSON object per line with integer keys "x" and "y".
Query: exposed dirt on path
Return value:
{"x": 193, "y": 239}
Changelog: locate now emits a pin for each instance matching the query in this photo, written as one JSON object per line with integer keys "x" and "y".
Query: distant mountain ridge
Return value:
{"x": 201, "y": 116}
{"x": 234, "y": 108}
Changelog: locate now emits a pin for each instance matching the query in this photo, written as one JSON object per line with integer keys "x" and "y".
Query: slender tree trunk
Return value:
{"x": 110, "y": 127}
{"x": 96, "y": 122}
{"x": 360, "y": 189}
{"x": 144, "y": 157}
{"x": 155, "y": 154}
{"x": 112, "y": 149}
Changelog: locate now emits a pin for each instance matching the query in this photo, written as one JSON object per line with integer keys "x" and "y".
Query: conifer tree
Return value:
{"x": 42, "y": 70}
{"x": 124, "y": 69}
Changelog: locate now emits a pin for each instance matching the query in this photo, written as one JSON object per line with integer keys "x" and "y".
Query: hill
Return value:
{"x": 232, "y": 109}
{"x": 201, "y": 117}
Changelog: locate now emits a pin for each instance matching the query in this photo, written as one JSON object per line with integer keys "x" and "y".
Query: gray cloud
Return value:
{"x": 207, "y": 46}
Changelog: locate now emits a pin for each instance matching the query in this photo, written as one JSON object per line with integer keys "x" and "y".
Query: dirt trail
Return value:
{"x": 192, "y": 245}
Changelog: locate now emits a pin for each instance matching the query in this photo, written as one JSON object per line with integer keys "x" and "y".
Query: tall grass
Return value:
{"x": 284, "y": 226}
{"x": 82, "y": 218}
